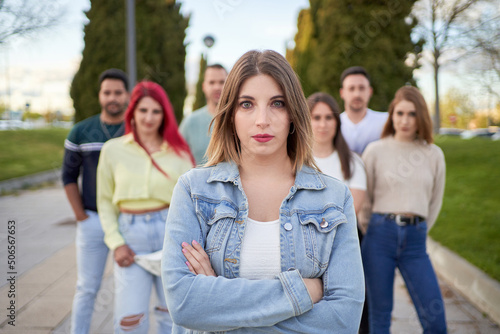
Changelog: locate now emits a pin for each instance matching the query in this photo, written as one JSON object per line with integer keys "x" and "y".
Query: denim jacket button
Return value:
{"x": 288, "y": 226}
{"x": 324, "y": 223}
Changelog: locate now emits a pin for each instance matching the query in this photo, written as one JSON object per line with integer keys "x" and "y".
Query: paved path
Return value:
{"x": 46, "y": 275}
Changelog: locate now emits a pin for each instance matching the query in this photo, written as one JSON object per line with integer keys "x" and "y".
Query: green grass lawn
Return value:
{"x": 24, "y": 152}
{"x": 469, "y": 222}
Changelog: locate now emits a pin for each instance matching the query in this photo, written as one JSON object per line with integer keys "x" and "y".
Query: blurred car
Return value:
{"x": 496, "y": 136}
{"x": 450, "y": 131}
{"x": 11, "y": 124}
{"x": 468, "y": 134}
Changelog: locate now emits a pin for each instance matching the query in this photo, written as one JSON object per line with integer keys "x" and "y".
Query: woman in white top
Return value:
{"x": 330, "y": 150}
{"x": 258, "y": 241}
{"x": 333, "y": 156}
{"x": 406, "y": 176}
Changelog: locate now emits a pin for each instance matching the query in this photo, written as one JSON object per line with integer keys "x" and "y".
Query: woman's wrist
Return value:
{"x": 296, "y": 291}
{"x": 81, "y": 217}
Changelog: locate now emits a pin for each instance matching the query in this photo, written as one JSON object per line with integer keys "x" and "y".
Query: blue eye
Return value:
{"x": 246, "y": 104}
{"x": 278, "y": 104}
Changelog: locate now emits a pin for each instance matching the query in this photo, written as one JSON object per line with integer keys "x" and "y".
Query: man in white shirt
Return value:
{"x": 360, "y": 125}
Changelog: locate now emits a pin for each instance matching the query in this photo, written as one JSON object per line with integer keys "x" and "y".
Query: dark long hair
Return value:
{"x": 168, "y": 129}
{"x": 339, "y": 142}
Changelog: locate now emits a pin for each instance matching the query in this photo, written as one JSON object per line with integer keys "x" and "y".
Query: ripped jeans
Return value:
{"x": 144, "y": 234}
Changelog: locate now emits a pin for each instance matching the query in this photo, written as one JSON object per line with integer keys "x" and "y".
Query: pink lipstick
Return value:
{"x": 262, "y": 138}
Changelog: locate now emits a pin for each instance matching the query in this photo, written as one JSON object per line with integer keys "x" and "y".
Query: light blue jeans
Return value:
{"x": 144, "y": 234}
{"x": 91, "y": 255}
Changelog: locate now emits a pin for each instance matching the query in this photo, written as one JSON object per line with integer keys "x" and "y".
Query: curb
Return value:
{"x": 30, "y": 180}
{"x": 480, "y": 289}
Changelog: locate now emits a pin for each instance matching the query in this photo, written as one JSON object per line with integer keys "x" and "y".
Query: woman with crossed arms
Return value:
{"x": 259, "y": 241}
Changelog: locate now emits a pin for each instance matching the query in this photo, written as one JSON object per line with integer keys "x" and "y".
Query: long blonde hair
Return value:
{"x": 225, "y": 145}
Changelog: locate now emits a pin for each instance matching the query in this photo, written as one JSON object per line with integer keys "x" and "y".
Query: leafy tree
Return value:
{"x": 160, "y": 34}
{"x": 336, "y": 34}
{"x": 457, "y": 111}
{"x": 303, "y": 54}
{"x": 3, "y": 108}
{"x": 31, "y": 115}
{"x": 200, "y": 99}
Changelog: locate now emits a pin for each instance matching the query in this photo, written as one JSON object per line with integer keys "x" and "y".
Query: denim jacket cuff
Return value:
{"x": 296, "y": 291}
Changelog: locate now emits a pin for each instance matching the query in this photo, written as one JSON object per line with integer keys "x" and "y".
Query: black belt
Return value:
{"x": 403, "y": 220}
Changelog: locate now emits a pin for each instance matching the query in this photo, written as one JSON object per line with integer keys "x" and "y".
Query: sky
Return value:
{"x": 38, "y": 69}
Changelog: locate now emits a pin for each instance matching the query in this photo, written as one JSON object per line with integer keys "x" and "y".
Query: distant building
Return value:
{"x": 14, "y": 115}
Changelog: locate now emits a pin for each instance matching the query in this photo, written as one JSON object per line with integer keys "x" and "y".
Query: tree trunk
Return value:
{"x": 437, "y": 118}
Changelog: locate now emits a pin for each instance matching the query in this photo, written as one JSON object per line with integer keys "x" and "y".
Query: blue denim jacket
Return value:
{"x": 318, "y": 238}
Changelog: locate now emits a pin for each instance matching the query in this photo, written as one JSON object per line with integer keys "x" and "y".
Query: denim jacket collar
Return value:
{"x": 306, "y": 178}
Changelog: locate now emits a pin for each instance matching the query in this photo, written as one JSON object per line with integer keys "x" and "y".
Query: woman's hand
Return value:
{"x": 197, "y": 259}
{"x": 81, "y": 217}
{"x": 315, "y": 288}
{"x": 124, "y": 256}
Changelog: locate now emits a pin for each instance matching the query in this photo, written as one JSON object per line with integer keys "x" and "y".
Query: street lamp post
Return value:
{"x": 209, "y": 41}
{"x": 131, "y": 44}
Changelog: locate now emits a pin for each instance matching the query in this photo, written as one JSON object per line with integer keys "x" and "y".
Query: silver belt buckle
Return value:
{"x": 398, "y": 220}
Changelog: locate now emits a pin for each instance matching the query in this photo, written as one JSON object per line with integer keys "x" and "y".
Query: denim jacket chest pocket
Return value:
{"x": 219, "y": 216}
{"x": 318, "y": 231}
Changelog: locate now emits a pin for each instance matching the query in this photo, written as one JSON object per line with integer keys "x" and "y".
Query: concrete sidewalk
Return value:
{"x": 46, "y": 275}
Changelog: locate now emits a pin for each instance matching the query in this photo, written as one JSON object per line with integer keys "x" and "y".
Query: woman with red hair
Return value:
{"x": 135, "y": 179}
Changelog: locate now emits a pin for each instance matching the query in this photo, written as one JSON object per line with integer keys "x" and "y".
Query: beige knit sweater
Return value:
{"x": 405, "y": 177}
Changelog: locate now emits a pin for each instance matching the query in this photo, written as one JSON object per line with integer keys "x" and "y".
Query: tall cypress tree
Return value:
{"x": 200, "y": 99}
{"x": 302, "y": 55}
{"x": 372, "y": 34}
{"x": 160, "y": 34}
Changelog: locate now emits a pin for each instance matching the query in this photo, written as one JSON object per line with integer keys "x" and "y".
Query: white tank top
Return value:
{"x": 260, "y": 256}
